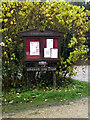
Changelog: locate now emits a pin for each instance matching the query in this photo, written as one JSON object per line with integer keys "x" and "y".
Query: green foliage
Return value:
{"x": 22, "y": 16}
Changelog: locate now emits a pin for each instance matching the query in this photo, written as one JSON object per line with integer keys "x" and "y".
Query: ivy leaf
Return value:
{"x": 8, "y": 14}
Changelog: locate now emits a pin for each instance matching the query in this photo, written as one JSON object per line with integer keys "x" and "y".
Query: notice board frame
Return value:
{"x": 42, "y": 35}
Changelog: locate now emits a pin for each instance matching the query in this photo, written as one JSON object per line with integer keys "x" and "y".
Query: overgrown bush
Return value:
{"x": 59, "y": 16}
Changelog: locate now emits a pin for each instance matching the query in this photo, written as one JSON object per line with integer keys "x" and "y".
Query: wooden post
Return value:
{"x": 28, "y": 80}
{"x": 54, "y": 79}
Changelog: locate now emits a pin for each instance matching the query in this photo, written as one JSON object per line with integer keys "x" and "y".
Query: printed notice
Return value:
{"x": 46, "y": 52}
{"x": 54, "y": 53}
{"x": 49, "y": 43}
{"x": 34, "y": 48}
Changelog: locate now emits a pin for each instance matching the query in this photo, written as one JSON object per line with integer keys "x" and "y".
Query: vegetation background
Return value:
{"x": 71, "y": 19}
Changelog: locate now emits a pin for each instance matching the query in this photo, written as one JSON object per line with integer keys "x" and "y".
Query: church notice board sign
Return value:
{"x": 42, "y": 45}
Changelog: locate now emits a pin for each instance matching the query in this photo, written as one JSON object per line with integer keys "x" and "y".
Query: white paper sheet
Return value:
{"x": 49, "y": 43}
{"x": 54, "y": 53}
{"x": 46, "y": 52}
{"x": 34, "y": 48}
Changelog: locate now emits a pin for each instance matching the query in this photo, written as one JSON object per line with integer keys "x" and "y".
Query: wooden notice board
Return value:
{"x": 42, "y": 45}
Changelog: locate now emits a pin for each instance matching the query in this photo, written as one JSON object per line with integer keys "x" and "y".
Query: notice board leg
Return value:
{"x": 54, "y": 79}
{"x": 29, "y": 80}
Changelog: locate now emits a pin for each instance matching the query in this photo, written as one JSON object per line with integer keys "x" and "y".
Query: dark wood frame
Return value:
{"x": 42, "y": 35}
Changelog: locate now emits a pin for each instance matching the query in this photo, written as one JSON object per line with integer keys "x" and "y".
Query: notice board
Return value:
{"x": 42, "y": 45}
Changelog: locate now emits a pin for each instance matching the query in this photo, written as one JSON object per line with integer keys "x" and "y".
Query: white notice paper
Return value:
{"x": 46, "y": 52}
{"x": 54, "y": 53}
{"x": 49, "y": 43}
{"x": 34, "y": 48}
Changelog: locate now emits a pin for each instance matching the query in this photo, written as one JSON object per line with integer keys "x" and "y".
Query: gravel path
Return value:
{"x": 76, "y": 109}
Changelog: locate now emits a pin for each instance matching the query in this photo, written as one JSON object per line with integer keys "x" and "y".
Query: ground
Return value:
{"x": 73, "y": 109}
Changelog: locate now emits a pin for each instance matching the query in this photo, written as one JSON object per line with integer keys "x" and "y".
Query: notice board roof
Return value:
{"x": 38, "y": 33}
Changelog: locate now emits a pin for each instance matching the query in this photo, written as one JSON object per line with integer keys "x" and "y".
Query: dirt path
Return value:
{"x": 76, "y": 109}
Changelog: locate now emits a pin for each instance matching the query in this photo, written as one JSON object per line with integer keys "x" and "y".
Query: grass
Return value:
{"x": 19, "y": 100}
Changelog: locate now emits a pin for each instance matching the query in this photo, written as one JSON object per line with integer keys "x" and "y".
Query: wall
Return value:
{"x": 83, "y": 73}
